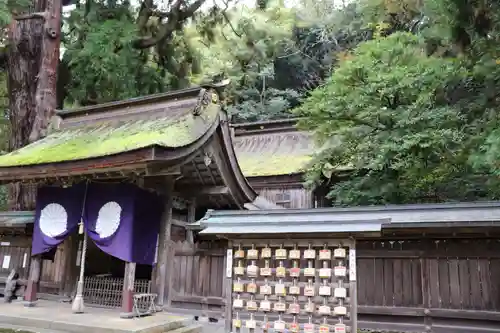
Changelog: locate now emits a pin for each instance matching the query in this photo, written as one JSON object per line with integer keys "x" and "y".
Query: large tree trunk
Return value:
{"x": 46, "y": 101}
{"x": 25, "y": 45}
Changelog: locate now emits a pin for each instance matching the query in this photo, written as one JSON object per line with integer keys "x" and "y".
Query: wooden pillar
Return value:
{"x": 128, "y": 291}
{"x": 30, "y": 295}
{"x": 154, "y": 269}
{"x": 164, "y": 247}
{"x": 191, "y": 219}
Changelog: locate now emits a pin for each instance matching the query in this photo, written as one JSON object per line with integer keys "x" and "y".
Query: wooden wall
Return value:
{"x": 15, "y": 252}
{"x": 439, "y": 286}
{"x": 287, "y": 190}
{"x": 19, "y": 251}
{"x": 294, "y": 197}
{"x": 197, "y": 278}
{"x": 444, "y": 285}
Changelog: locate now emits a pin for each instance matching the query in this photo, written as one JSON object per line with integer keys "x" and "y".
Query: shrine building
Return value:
{"x": 130, "y": 176}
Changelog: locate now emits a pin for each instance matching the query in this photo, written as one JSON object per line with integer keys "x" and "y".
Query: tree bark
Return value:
{"x": 46, "y": 101}
{"x": 25, "y": 41}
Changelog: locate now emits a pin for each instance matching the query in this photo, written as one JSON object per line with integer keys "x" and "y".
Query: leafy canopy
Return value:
{"x": 388, "y": 114}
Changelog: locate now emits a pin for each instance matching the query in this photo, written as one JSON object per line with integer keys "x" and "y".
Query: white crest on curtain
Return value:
{"x": 108, "y": 219}
{"x": 53, "y": 220}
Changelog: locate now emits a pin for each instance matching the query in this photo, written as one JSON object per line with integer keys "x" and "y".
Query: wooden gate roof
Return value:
{"x": 389, "y": 220}
{"x": 183, "y": 133}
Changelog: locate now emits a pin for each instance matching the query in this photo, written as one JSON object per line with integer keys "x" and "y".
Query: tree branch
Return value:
{"x": 144, "y": 13}
{"x": 224, "y": 14}
{"x": 190, "y": 10}
{"x": 174, "y": 17}
{"x": 39, "y": 16}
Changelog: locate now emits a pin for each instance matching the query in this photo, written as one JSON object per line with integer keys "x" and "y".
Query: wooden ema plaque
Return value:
{"x": 276, "y": 287}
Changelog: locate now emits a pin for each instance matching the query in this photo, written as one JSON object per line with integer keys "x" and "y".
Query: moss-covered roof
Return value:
{"x": 273, "y": 154}
{"x": 109, "y": 138}
{"x": 272, "y": 165}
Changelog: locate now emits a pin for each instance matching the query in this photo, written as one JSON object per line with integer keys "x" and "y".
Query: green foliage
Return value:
{"x": 246, "y": 50}
{"x": 410, "y": 99}
{"x": 389, "y": 114}
{"x": 271, "y": 65}
{"x": 7, "y": 7}
{"x": 104, "y": 64}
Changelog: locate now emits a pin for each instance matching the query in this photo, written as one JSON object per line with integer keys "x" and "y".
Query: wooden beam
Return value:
{"x": 203, "y": 191}
{"x": 223, "y": 190}
{"x": 160, "y": 170}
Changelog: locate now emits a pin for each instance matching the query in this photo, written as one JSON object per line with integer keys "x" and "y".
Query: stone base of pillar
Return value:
{"x": 127, "y": 301}
{"x": 29, "y": 304}
{"x": 127, "y": 315}
{"x": 128, "y": 291}
{"x": 30, "y": 295}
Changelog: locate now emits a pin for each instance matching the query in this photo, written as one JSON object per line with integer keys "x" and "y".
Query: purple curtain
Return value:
{"x": 147, "y": 217}
{"x": 122, "y": 220}
{"x": 58, "y": 212}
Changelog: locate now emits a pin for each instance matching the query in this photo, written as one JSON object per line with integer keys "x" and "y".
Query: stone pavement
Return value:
{"x": 213, "y": 328}
{"x": 54, "y": 316}
{"x": 27, "y": 329}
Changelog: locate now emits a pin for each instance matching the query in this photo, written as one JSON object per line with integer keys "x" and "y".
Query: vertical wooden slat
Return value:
{"x": 190, "y": 274}
{"x": 484, "y": 276}
{"x": 434, "y": 283}
{"x": 464, "y": 278}
{"x": 407, "y": 283}
{"x": 214, "y": 265}
{"x": 398, "y": 282}
{"x": 495, "y": 286}
{"x": 444, "y": 284}
{"x": 416, "y": 282}
{"x": 362, "y": 288}
{"x": 388, "y": 282}
{"x": 454, "y": 284}
{"x": 369, "y": 270}
{"x": 476, "y": 299}
{"x": 183, "y": 272}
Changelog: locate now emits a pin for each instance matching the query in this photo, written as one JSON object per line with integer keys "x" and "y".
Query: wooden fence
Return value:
{"x": 197, "y": 278}
{"x": 446, "y": 285}
{"x": 439, "y": 286}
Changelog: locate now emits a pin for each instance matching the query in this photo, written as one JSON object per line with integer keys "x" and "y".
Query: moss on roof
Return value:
{"x": 113, "y": 138}
{"x": 272, "y": 165}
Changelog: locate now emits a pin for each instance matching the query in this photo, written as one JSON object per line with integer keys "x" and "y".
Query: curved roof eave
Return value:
{"x": 252, "y": 200}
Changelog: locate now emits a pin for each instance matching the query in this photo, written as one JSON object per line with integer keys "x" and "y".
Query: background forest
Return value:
{"x": 402, "y": 95}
